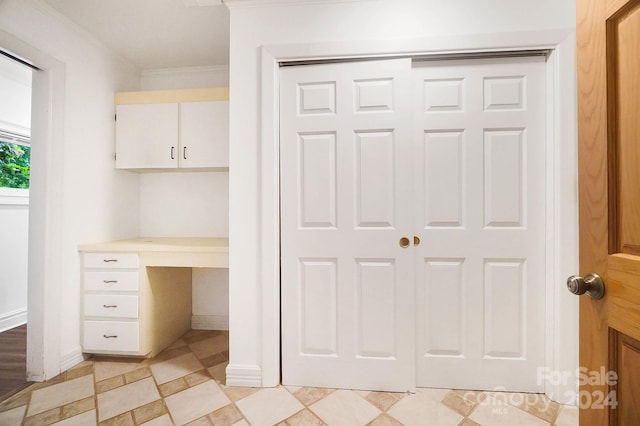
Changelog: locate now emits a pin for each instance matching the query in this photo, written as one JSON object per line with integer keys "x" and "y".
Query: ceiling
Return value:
{"x": 155, "y": 34}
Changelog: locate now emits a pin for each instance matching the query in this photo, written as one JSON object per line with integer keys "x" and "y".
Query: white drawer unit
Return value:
{"x": 111, "y": 260}
{"x": 111, "y": 305}
{"x": 111, "y": 281}
{"x": 111, "y": 336}
{"x": 132, "y": 307}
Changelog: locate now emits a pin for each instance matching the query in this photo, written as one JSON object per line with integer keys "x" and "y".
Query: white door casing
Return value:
{"x": 477, "y": 144}
{"x": 347, "y": 285}
{"x": 479, "y": 129}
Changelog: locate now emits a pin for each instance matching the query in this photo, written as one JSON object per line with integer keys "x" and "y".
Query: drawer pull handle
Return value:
{"x": 110, "y": 336}
{"x": 109, "y": 260}
{"x": 110, "y": 281}
{"x": 109, "y": 306}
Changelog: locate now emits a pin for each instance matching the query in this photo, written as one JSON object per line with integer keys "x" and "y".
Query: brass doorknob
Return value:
{"x": 404, "y": 242}
{"x": 591, "y": 284}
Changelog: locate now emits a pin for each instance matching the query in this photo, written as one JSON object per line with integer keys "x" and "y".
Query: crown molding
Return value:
{"x": 246, "y": 4}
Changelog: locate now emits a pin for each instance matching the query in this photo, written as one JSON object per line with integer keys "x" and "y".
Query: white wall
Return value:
{"x": 192, "y": 204}
{"x": 185, "y": 78}
{"x": 15, "y": 116}
{"x": 14, "y": 215}
{"x": 95, "y": 200}
{"x": 254, "y": 25}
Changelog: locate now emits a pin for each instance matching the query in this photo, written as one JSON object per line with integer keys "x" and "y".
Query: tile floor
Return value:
{"x": 185, "y": 384}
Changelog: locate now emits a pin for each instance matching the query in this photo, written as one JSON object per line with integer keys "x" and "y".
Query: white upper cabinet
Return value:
{"x": 204, "y": 134}
{"x": 153, "y": 133}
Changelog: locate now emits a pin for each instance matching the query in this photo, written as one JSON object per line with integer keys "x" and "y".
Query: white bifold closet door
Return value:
{"x": 346, "y": 185}
{"x": 479, "y": 128}
{"x": 452, "y": 152}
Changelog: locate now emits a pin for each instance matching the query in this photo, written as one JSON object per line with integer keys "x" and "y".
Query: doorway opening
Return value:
{"x": 15, "y": 168}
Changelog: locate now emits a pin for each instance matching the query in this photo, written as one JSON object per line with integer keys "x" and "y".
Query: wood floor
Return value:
{"x": 13, "y": 361}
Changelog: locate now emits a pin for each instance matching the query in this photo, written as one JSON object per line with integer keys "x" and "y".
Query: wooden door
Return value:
{"x": 608, "y": 55}
{"x": 479, "y": 134}
{"x": 346, "y": 188}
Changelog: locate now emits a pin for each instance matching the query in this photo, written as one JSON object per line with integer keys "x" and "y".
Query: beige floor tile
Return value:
{"x": 149, "y": 411}
{"x": 45, "y": 418}
{"x": 219, "y": 372}
{"x": 82, "y": 369}
{"x": 110, "y": 383}
{"x": 125, "y": 398}
{"x": 241, "y": 423}
{"x": 269, "y": 406}
{"x": 459, "y": 403}
{"x": 422, "y": 408}
{"x": 236, "y": 393}
{"x": 115, "y": 367}
{"x": 210, "y": 346}
{"x": 124, "y": 419}
{"x": 85, "y": 419}
{"x": 345, "y": 407}
{"x": 172, "y": 387}
{"x": 568, "y": 416}
{"x": 196, "y": 402}
{"x": 437, "y": 394}
{"x": 469, "y": 422}
{"x": 385, "y": 420}
{"x": 537, "y": 404}
{"x": 494, "y": 411}
{"x": 13, "y": 416}
{"x": 226, "y": 416}
{"x": 309, "y": 396}
{"x": 384, "y": 400}
{"x": 303, "y": 418}
{"x": 160, "y": 421}
{"x": 175, "y": 368}
{"x": 60, "y": 394}
{"x": 78, "y": 407}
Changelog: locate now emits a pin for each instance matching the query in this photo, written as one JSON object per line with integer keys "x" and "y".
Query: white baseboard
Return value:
{"x": 210, "y": 322}
{"x": 244, "y": 375}
{"x": 13, "y": 319}
{"x": 71, "y": 358}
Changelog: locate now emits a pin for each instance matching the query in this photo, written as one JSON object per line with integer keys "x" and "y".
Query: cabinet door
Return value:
{"x": 147, "y": 136}
{"x": 204, "y": 134}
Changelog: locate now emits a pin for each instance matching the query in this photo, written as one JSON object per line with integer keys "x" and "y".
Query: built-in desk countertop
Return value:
{"x": 137, "y": 292}
{"x": 164, "y": 251}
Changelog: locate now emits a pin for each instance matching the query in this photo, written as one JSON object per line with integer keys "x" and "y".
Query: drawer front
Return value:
{"x": 111, "y": 305}
{"x": 115, "y": 336}
{"x": 111, "y": 260}
{"x": 111, "y": 281}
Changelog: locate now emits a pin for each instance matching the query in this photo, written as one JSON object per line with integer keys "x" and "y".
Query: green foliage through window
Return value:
{"x": 14, "y": 165}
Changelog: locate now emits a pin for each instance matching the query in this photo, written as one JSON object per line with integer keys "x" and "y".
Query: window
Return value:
{"x": 15, "y": 159}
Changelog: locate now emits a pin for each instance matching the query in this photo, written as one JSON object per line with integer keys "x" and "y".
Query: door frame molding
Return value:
{"x": 561, "y": 336}
{"x": 45, "y": 275}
